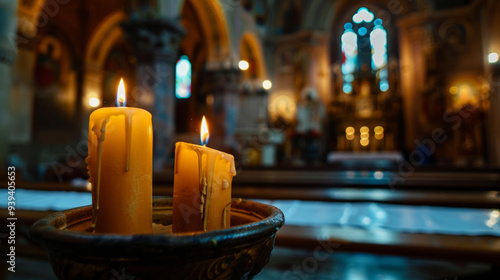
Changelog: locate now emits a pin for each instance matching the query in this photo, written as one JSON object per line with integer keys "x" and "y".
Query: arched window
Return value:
{"x": 364, "y": 42}
{"x": 183, "y": 78}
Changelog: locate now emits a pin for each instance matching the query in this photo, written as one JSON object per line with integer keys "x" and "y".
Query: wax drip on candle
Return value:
{"x": 205, "y": 182}
{"x": 100, "y": 132}
{"x": 128, "y": 142}
{"x": 209, "y": 172}
{"x": 224, "y": 212}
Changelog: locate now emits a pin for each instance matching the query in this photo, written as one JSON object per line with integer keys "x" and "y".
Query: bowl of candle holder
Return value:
{"x": 237, "y": 252}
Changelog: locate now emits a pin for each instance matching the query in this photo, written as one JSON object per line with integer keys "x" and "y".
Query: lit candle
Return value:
{"x": 120, "y": 163}
{"x": 202, "y": 186}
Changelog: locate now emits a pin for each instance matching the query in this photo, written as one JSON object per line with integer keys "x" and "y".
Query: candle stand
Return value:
{"x": 237, "y": 252}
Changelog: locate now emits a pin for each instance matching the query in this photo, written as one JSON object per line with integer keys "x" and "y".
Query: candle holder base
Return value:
{"x": 238, "y": 252}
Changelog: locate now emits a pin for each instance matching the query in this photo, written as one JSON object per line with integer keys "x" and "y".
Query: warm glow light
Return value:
{"x": 453, "y": 90}
{"x": 88, "y": 186}
{"x": 267, "y": 84}
{"x": 210, "y": 99}
{"x": 379, "y": 136}
{"x": 94, "y": 102}
{"x": 243, "y": 64}
{"x": 364, "y": 141}
{"x": 349, "y": 130}
{"x": 349, "y": 136}
{"x": 378, "y": 130}
{"x": 364, "y": 129}
{"x": 493, "y": 57}
{"x": 121, "y": 100}
{"x": 204, "y": 134}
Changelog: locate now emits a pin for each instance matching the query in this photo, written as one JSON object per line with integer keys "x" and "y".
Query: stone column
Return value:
{"x": 412, "y": 69}
{"x": 222, "y": 82}
{"x": 8, "y": 27}
{"x": 494, "y": 115}
{"x": 156, "y": 44}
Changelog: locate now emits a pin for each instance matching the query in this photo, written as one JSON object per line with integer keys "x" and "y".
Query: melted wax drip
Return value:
{"x": 205, "y": 186}
{"x": 100, "y": 132}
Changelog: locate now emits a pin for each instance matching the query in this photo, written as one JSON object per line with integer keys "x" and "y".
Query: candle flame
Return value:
{"x": 121, "y": 100}
{"x": 204, "y": 134}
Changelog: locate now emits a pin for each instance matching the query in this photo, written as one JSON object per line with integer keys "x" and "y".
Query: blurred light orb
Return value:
{"x": 493, "y": 57}
{"x": 364, "y": 142}
{"x": 267, "y": 84}
{"x": 243, "y": 64}
{"x": 349, "y": 130}
{"x": 94, "y": 102}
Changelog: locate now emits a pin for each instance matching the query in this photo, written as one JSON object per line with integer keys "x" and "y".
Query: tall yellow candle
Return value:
{"x": 202, "y": 186}
{"x": 120, "y": 148}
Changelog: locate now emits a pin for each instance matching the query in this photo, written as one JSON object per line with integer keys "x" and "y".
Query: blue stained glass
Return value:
{"x": 347, "y": 88}
{"x": 348, "y": 67}
{"x": 363, "y": 14}
{"x": 362, "y": 31}
{"x": 378, "y": 47}
{"x": 383, "y": 74}
{"x": 378, "y": 41}
{"x": 384, "y": 85}
{"x": 183, "y": 78}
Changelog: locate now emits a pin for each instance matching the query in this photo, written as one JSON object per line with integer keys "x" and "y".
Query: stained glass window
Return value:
{"x": 364, "y": 41}
{"x": 183, "y": 78}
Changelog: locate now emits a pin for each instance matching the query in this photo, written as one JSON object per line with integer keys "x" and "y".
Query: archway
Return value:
{"x": 251, "y": 51}
{"x": 107, "y": 56}
{"x": 206, "y": 44}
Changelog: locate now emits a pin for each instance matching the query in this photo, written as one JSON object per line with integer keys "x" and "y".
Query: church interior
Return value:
{"x": 373, "y": 125}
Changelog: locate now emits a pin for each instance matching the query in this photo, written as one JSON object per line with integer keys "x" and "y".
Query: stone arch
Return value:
{"x": 28, "y": 13}
{"x": 105, "y": 35}
{"x": 253, "y": 42}
{"x": 214, "y": 26}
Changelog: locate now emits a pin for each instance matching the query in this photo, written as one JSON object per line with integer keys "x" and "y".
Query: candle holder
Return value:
{"x": 237, "y": 252}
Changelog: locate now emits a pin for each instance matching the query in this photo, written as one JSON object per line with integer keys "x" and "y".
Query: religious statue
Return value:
{"x": 310, "y": 115}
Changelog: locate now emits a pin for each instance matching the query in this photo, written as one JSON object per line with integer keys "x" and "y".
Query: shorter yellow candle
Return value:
{"x": 202, "y": 186}
{"x": 120, "y": 166}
